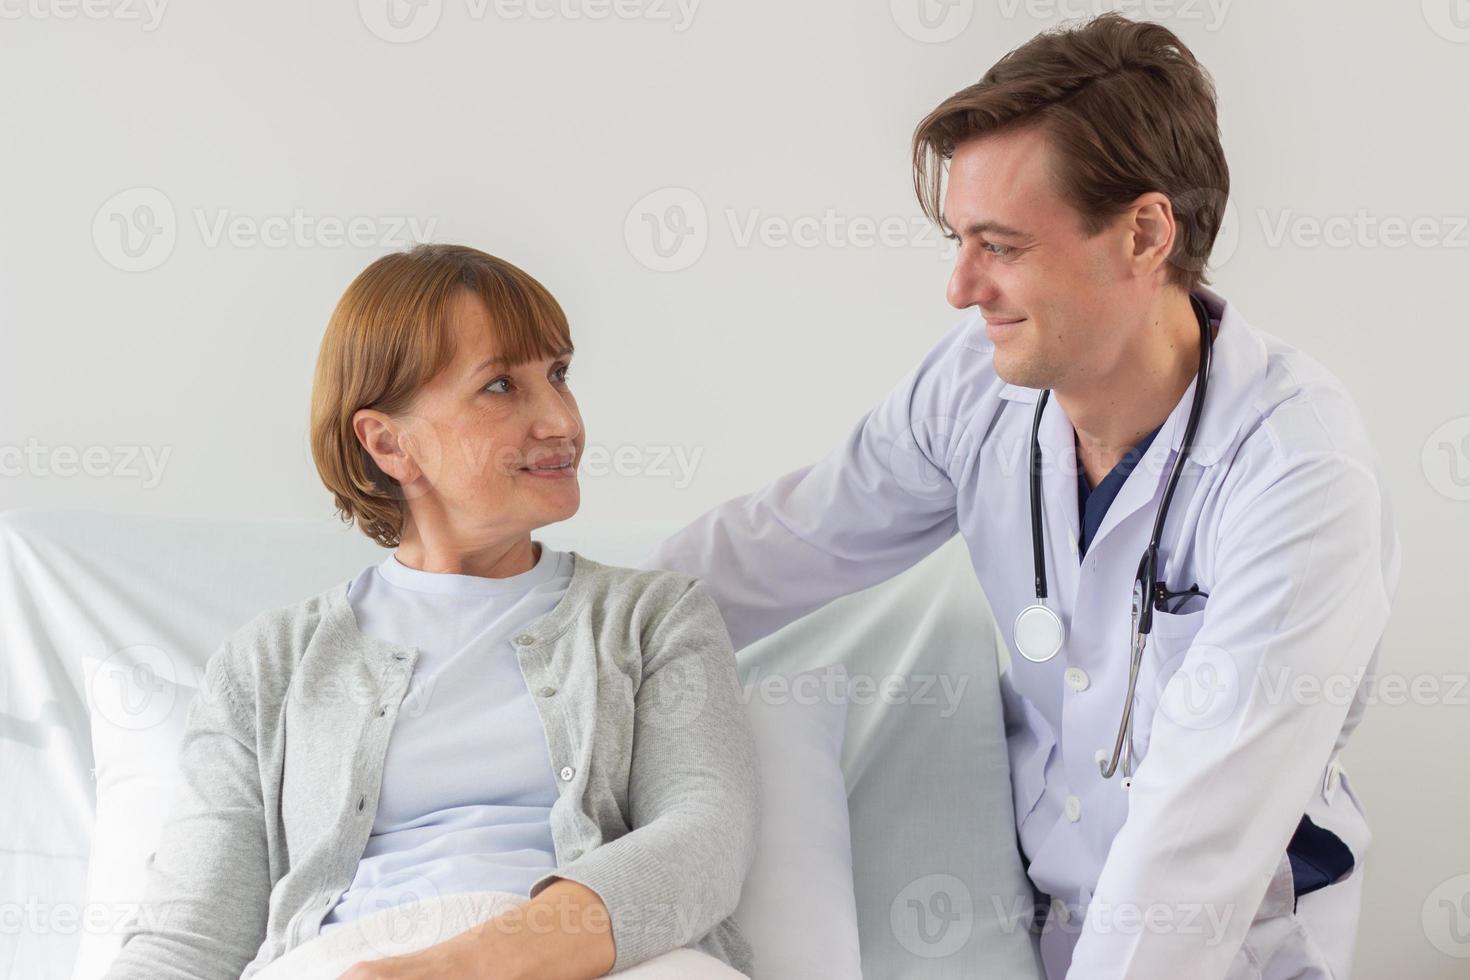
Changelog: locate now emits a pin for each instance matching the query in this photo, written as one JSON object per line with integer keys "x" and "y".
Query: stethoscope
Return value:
{"x": 1038, "y": 630}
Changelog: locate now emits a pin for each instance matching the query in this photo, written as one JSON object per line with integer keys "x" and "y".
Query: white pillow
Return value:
{"x": 138, "y": 702}
{"x": 797, "y": 907}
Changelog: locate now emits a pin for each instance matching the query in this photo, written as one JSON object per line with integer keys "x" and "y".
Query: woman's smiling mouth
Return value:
{"x": 559, "y": 467}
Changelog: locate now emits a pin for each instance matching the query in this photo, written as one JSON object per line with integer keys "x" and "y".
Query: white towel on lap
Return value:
{"x": 417, "y": 925}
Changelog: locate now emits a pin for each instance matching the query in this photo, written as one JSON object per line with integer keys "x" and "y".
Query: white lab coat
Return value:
{"x": 1244, "y": 704}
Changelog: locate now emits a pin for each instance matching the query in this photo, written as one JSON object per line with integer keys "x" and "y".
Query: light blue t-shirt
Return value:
{"x": 467, "y": 782}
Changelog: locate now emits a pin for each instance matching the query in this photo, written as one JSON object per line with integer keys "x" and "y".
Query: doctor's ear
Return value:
{"x": 388, "y": 443}
{"x": 1150, "y": 222}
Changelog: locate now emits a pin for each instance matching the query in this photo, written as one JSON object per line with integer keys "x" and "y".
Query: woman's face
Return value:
{"x": 495, "y": 449}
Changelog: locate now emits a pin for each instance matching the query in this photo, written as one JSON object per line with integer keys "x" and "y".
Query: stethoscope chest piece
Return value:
{"x": 1038, "y": 633}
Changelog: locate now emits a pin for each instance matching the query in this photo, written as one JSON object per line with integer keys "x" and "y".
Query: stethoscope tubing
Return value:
{"x": 1148, "y": 585}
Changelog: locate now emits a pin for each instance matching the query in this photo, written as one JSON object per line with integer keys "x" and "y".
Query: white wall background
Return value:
{"x": 536, "y": 129}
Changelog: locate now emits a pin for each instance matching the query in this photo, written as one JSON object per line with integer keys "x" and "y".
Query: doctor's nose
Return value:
{"x": 970, "y": 286}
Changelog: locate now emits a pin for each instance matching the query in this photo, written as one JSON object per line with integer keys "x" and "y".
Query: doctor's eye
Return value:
{"x": 1004, "y": 250}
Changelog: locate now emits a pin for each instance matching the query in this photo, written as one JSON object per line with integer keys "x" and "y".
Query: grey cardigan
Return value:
{"x": 281, "y": 762}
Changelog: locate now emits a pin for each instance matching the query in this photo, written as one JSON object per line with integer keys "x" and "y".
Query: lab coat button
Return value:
{"x": 1077, "y": 678}
{"x": 1074, "y": 809}
{"x": 1072, "y": 544}
{"x": 567, "y": 772}
{"x": 1060, "y": 910}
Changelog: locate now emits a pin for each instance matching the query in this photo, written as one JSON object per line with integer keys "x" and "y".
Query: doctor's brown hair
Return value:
{"x": 389, "y": 335}
{"x": 1126, "y": 109}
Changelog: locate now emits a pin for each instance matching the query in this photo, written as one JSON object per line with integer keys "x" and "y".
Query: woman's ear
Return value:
{"x": 382, "y": 437}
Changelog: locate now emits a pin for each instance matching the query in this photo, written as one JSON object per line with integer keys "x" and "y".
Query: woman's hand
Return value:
{"x": 461, "y": 957}
{"x": 564, "y": 933}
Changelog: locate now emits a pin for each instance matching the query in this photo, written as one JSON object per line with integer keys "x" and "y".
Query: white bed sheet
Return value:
{"x": 928, "y": 787}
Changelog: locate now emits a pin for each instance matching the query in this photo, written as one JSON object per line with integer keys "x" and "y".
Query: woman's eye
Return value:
{"x": 561, "y": 373}
{"x": 498, "y": 381}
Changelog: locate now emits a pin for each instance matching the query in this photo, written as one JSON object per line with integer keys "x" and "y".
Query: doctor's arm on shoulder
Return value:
{"x": 875, "y": 505}
{"x": 1299, "y": 591}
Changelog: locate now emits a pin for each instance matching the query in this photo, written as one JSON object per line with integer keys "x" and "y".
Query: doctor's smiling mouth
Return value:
{"x": 1000, "y": 328}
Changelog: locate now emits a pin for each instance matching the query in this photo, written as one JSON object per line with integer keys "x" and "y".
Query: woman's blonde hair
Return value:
{"x": 390, "y": 333}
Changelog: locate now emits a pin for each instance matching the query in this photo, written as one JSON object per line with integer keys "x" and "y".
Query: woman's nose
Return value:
{"x": 556, "y": 415}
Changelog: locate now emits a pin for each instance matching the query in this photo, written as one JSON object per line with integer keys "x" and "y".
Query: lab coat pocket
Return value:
{"x": 1277, "y": 946}
{"x": 1183, "y": 698}
{"x": 1270, "y": 928}
{"x": 1173, "y": 626}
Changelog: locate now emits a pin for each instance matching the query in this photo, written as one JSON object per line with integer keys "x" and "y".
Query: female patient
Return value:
{"x": 481, "y": 757}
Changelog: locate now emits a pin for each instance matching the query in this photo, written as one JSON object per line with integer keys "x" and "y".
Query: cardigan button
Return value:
{"x": 525, "y": 639}
{"x": 567, "y": 772}
{"x": 546, "y": 692}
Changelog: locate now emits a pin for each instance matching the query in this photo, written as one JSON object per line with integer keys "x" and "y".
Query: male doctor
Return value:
{"x": 1086, "y": 184}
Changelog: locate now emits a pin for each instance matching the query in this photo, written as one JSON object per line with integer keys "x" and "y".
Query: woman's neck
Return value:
{"x": 445, "y": 552}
